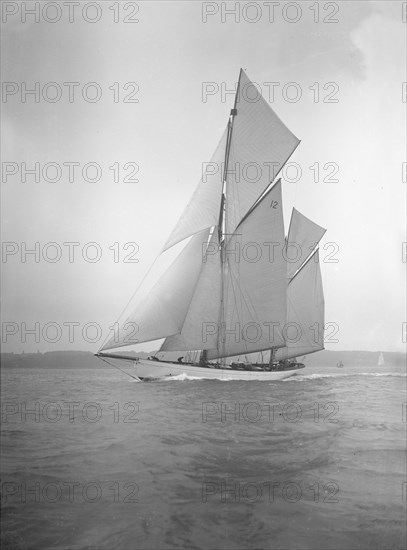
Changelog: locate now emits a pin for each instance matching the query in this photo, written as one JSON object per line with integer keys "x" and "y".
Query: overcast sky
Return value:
{"x": 170, "y": 53}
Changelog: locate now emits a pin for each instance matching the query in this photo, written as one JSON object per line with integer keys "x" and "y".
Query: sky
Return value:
{"x": 145, "y": 115}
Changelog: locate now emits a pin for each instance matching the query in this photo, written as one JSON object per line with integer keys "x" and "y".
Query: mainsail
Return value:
{"x": 254, "y": 304}
{"x": 234, "y": 288}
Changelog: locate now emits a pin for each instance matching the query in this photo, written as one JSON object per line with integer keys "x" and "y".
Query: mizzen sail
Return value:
{"x": 304, "y": 330}
{"x": 303, "y": 236}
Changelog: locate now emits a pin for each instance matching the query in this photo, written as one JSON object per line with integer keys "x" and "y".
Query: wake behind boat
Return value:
{"x": 239, "y": 288}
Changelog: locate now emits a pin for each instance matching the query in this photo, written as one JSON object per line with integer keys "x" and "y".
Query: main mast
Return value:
{"x": 222, "y": 219}
{"x": 222, "y": 212}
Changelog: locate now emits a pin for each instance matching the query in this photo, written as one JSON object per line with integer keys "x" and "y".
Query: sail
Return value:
{"x": 303, "y": 237}
{"x": 304, "y": 331}
{"x": 254, "y": 298}
{"x": 199, "y": 330}
{"x": 238, "y": 287}
{"x": 260, "y": 145}
{"x": 202, "y": 210}
{"x": 162, "y": 312}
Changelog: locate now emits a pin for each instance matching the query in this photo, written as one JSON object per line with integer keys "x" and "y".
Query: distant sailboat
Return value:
{"x": 380, "y": 362}
{"x": 236, "y": 288}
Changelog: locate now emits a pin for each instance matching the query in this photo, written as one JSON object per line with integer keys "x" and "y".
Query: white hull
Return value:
{"x": 159, "y": 369}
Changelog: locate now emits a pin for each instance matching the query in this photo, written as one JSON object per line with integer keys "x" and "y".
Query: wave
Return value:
{"x": 301, "y": 377}
{"x": 295, "y": 378}
{"x": 180, "y": 378}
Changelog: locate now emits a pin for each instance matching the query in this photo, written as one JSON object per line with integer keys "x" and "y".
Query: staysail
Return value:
{"x": 163, "y": 310}
{"x": 198, "y": 332}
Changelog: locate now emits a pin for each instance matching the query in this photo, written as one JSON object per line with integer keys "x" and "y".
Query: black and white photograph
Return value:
{"x": 203, "y": 275}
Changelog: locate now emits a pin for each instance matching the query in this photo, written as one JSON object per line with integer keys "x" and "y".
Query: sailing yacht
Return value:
{"x": 238, "y": 288}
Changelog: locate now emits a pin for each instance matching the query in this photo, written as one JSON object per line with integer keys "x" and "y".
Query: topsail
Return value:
{"x": 260, "y": 145}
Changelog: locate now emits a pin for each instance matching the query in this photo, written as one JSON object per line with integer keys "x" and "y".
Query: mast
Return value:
{"x": 222, "y": 220}
{"x": 203, "y": 359}
{"x": 233, "y": 113}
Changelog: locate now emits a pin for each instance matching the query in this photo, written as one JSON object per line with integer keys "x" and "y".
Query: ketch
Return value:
{"x": 240, "y": 301}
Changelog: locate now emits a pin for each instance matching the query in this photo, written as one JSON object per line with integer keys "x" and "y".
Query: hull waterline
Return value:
{"x": 150, "y": 370}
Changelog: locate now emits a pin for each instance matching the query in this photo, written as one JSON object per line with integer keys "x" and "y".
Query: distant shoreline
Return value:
{"x": 86, "y": 359}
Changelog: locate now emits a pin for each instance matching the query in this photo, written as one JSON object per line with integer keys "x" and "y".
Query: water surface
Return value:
{"x": 103, "y": 462}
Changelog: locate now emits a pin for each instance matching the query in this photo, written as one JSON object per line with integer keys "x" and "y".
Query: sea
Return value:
{"x": 93, "y": 459}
